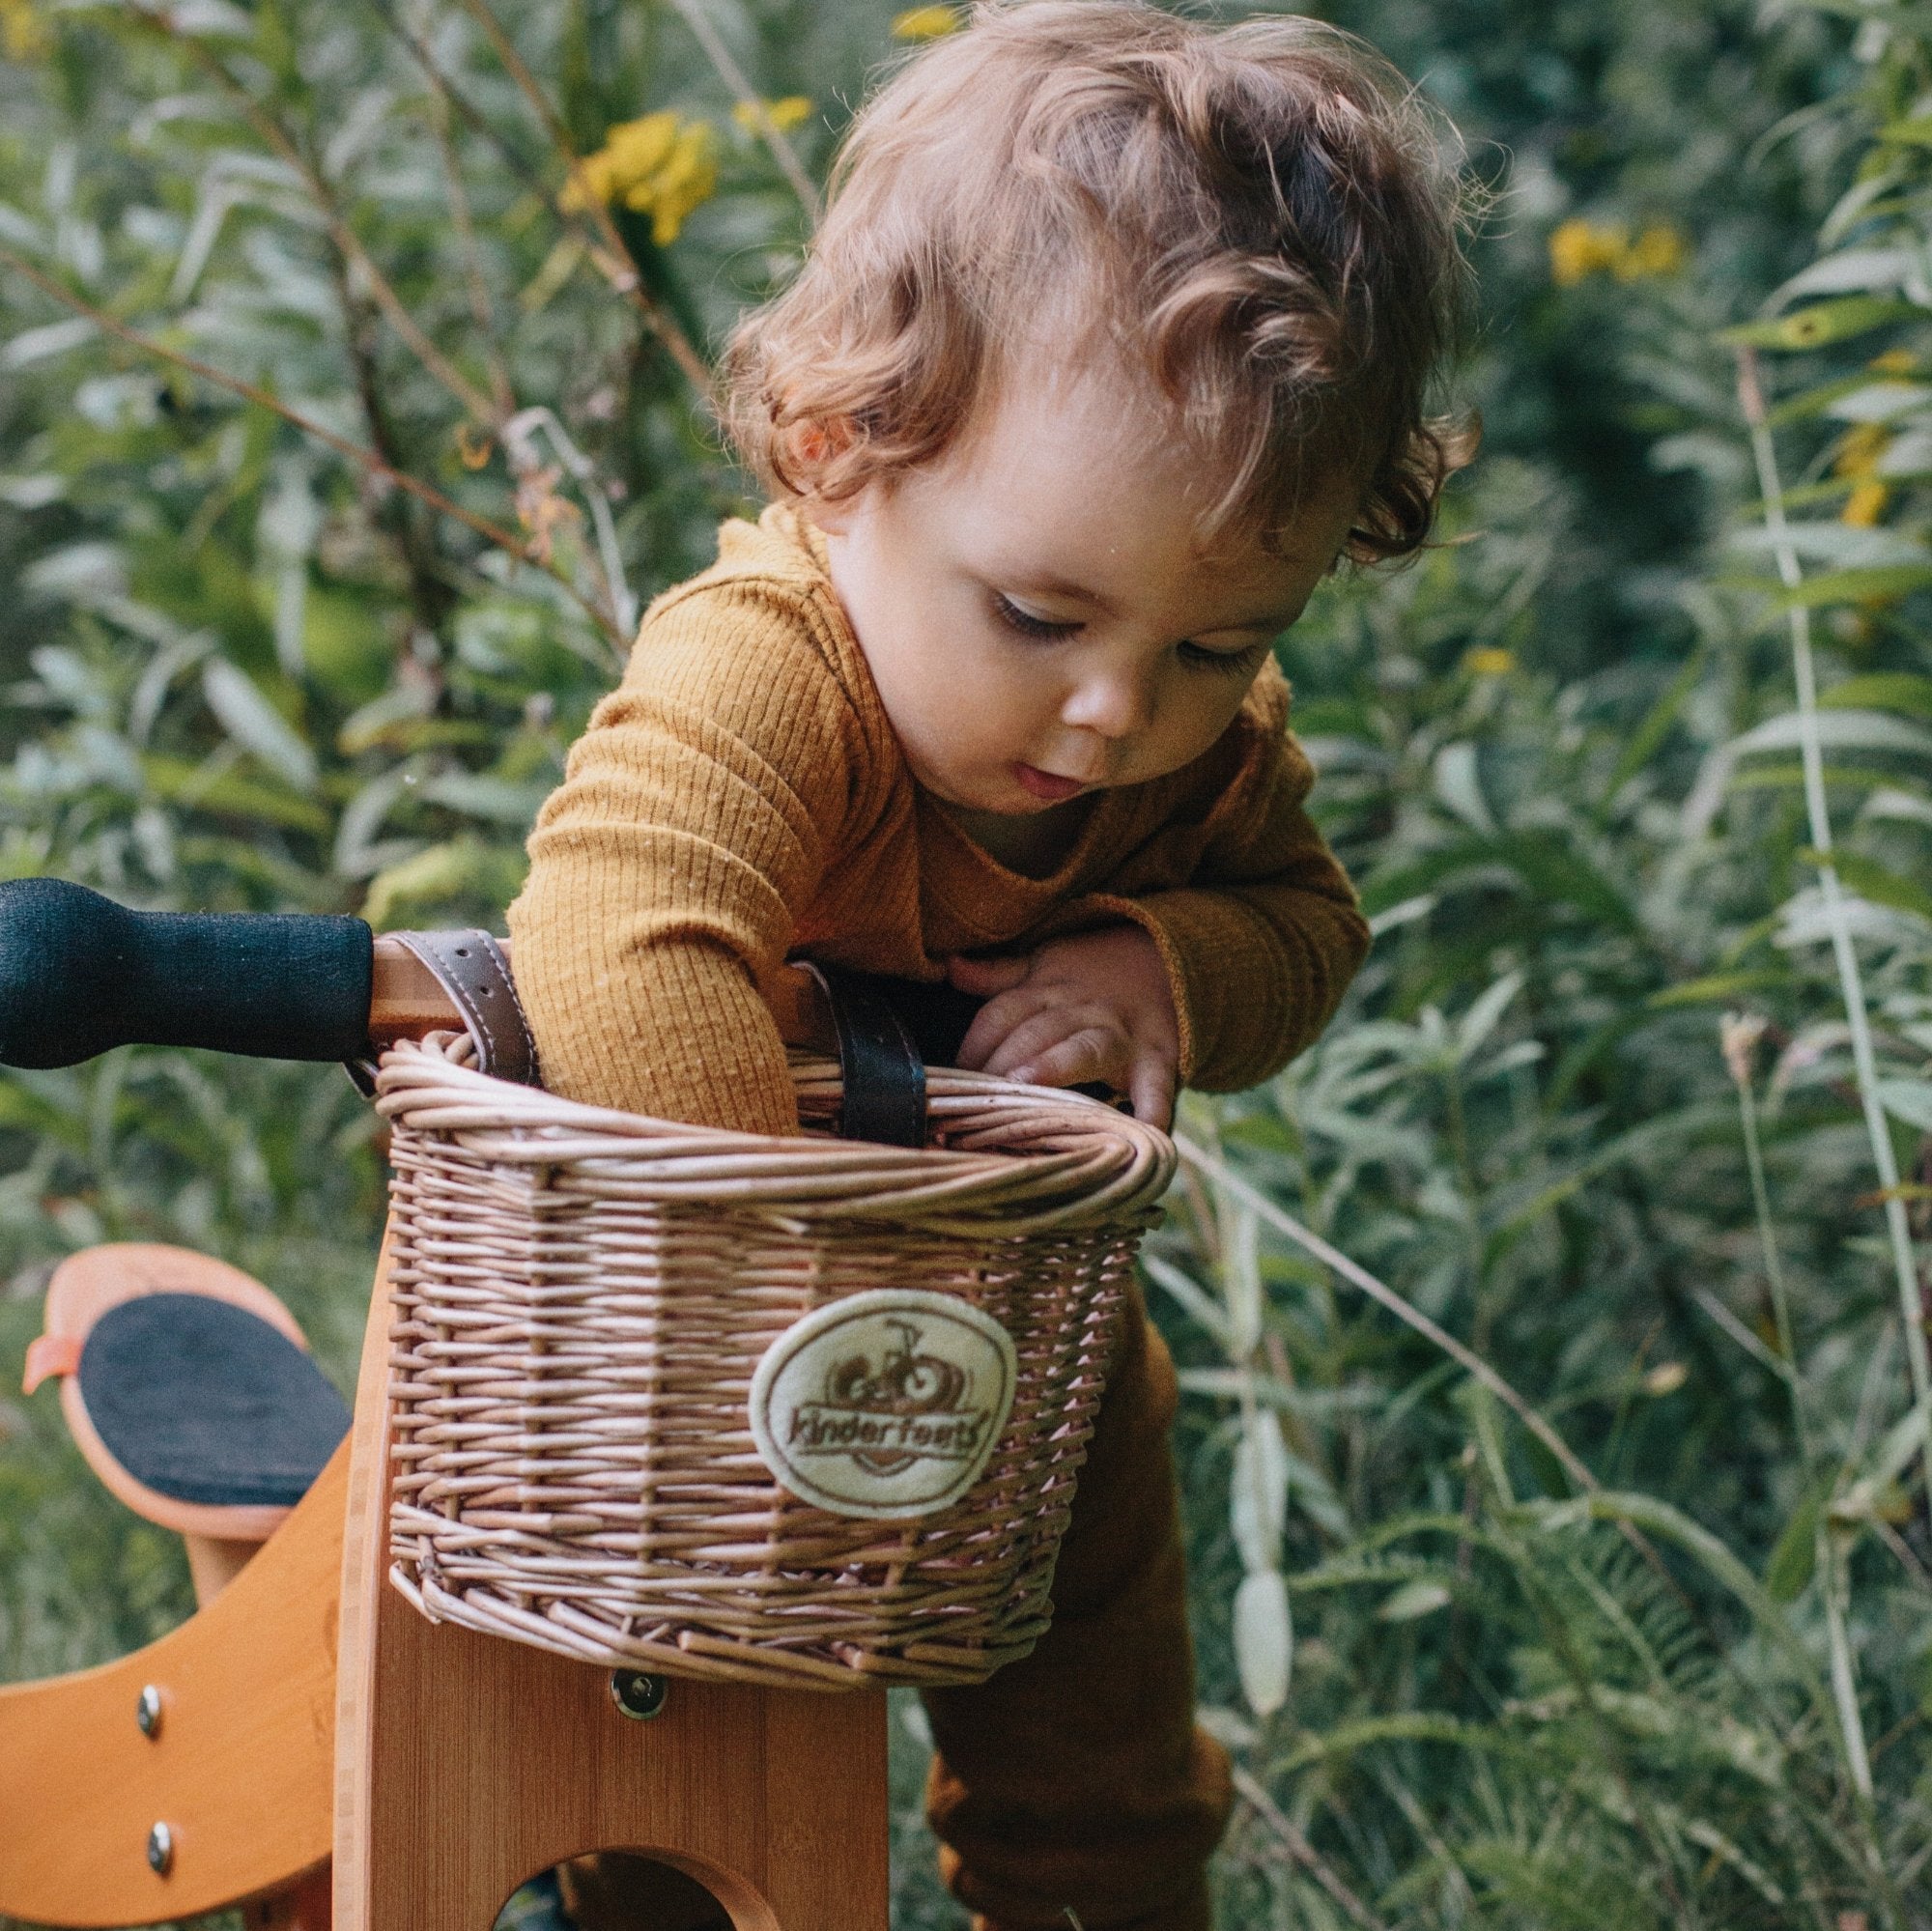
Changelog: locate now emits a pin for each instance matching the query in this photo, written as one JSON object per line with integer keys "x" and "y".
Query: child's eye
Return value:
{"x": 1229, "y": 662}
{"x": 1025, "y": 623}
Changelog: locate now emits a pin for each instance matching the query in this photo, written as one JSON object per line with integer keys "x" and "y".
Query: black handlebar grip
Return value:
{"x": 79, "y": 973}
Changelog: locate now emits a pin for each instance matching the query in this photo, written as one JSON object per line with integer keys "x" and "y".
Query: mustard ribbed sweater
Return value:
{"x": 740, "y": 796}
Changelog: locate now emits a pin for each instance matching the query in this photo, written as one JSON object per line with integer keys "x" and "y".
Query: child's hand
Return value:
{"x": 1096, "y": 1007}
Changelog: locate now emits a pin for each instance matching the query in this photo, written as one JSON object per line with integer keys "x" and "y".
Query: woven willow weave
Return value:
{"x": 581, "y": 1298}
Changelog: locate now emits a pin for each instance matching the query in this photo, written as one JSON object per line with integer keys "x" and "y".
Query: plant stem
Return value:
{"x": 1255, "y": 1795}
{"x": 625, "y": 277}
{"x": 466, "y": 392}
{"x": 753, "y": 103}
{"x": 1850, "y": 983}
{"x": 1832, "y": 1580}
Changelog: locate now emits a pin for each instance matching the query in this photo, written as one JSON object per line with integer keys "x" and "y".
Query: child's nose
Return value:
{"x": 1112, "y": 705}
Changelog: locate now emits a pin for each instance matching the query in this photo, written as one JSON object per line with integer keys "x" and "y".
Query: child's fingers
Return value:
{"x": 996, "y": 1020}
{"x": 984, "y": 978}
{"x": 1150, "y": 1088}
{"x": 1093, "y": 1053}
{"x": 1025, "y": 1048}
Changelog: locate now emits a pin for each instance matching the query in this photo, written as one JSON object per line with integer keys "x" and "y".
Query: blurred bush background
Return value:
{"x": 1560, "y": 1536}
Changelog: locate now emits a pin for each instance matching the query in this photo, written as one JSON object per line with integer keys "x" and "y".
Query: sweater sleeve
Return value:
{"x": 1262, "y": 942}
{"x": 694, "y": 818}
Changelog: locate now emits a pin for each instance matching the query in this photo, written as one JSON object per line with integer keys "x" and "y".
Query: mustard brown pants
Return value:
{"x": 1075, "y": 1778}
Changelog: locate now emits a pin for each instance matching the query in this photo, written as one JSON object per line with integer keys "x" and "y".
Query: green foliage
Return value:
{"x": 1560, "y": 1545}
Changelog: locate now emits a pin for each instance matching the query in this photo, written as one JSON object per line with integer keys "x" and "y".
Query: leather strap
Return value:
{"x": 471, "y": 966}
{"x": 881, "y": 1070}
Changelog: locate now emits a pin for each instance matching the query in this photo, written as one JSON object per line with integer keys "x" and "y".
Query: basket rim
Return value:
{"x": 1036, "y": 1158}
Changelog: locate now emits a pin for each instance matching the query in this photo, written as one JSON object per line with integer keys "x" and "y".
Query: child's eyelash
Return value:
{"x": 1194, "y": 655}
{"x": 1228, "y": 662}
{"x": 1013, "y": 617}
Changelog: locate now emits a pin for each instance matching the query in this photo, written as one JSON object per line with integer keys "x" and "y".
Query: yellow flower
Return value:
{"x": 1865, "y": 505}
{"x": 1857, "y": 455}
{"x": 1894, "y": 363}
{"x": 23, "y": 34}
{"x": 658, "y": 166}
{"x": 1490, "y": 662}
{"x": 1579, "y": 249}
{"x": 927, "y": 23}
{"x": 1858, "y": 460}
{"x": 1658, "y": 250}
{"x": 784, "y": 115}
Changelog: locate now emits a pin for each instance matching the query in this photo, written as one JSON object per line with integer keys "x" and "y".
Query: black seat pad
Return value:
{"x": 205, "y": 1402}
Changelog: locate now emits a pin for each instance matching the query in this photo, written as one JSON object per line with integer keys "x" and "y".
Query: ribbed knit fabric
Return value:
{"x": 740, "y": 796}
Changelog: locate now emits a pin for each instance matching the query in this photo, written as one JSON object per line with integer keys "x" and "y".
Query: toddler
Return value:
{"x": 1115, "y": 338}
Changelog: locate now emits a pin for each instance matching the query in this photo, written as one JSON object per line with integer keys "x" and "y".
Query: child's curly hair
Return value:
{"x": 1261, "y": 216}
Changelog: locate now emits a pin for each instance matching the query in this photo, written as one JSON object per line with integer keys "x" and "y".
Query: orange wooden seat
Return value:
{"x": 189, "y": 1388}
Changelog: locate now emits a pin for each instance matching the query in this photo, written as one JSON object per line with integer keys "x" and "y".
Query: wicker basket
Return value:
{"x": 613, "y": 1335}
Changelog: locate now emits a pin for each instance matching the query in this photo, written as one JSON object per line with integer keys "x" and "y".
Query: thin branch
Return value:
{"x": 471, "y": 116}
{"x": 1255, "y": 1796}
{"x": 753, "y": 103}
{"x": 480, "y": 310}
{"x": 367, "y": 459}
{"x": 1850, "y": 983}
{"x": 466, "y": 392}
{"x": 615, "y": 257}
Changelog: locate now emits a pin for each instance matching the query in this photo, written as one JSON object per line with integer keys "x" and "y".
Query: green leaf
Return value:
{"x": 1656, "y": 727}
{"x": 1879, "y": 585}
{"x": 1422, "y": 1596}
{"x": 1263, "y": 1642}
{"x": 1823, "y": 323}
{"x": 1901, "y": 690}
{"x": 1836, "y": 731}
{"x": 231, "y": 795}
{"x": 1795, "y": 1557}
{"x": 1707, "y": 991}
{"x": 1873, "y": 881}
{"x": 1909, "y": 1100}
{"x": 249, "y": 717}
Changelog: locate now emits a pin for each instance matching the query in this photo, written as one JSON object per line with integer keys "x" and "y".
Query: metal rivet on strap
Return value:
{"x": 148, "y": 1711}
{"x": 161, "y": 1849}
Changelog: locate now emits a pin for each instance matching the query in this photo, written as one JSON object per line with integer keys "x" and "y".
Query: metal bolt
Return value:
{"x": 638, "y": 1695}
{"x": 161, "y": 1849}
{"x": 148, "y": 1711}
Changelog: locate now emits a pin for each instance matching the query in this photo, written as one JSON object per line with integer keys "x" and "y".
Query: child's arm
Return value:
{"x": 666, "y": 872}
{"x": 1216, "y": 983}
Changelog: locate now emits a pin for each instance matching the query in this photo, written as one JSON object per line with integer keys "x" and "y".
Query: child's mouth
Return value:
{"x": 1044, "y": 785}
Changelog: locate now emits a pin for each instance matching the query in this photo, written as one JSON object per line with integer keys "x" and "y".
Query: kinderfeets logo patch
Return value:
{"x": 885, "y": 1403}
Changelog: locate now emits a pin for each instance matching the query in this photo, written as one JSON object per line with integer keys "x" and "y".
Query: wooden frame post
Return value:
{"x": 466, "y": 1764}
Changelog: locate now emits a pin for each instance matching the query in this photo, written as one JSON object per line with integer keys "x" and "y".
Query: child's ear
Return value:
{"x": 817, "y": 443}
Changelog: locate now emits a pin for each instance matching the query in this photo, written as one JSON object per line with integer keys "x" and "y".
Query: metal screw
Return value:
{"x": 161, "y": 1849}
{"x": 638, "y": 1695}
{"x": 148, "y": 1711}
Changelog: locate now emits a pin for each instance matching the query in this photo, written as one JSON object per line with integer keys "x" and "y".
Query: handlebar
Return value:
{"x": 80, "y": 975}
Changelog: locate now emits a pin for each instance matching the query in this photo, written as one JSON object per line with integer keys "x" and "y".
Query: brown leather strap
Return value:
{"x": 879, "y": 1065}
{"x": 471, "y": 966}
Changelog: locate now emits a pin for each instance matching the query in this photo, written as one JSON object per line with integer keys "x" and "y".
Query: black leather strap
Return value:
{"x": 881, "y": 1068}
{"x": 471, "y": 966}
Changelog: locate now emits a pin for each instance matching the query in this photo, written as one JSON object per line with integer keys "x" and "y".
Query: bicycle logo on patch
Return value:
{"x": 887, "y": 1404}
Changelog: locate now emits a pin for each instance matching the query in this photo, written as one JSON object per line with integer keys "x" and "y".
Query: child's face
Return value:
{"x": 1035, "y": 616}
